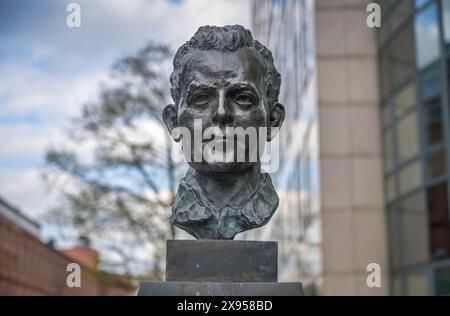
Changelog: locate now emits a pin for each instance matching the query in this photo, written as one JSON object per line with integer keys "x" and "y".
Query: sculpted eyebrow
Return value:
{"x": 195, "y": 87}
{"x": 241, "y": 87}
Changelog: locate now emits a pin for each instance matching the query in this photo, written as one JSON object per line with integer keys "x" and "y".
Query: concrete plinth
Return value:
{"x": 219, "y": 289}
{"x": 220, "y": 268}
{"x": 221, "y": 261}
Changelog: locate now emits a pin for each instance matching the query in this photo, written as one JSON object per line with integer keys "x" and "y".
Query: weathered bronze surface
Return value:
{"x": 224, "y": 78}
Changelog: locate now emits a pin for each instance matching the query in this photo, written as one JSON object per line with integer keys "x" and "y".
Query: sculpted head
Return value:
{"x": 224, "y": 78}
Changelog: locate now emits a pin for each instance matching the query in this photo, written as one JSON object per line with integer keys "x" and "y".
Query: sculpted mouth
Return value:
{"x": 221, "y": 138}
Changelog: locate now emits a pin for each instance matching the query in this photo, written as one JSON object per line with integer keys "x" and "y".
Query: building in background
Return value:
{"x": 414, "y": 69}
{"x": 372, "y": 184}
{"x": 287, "y": 29}
{"x": 30, "y": 267}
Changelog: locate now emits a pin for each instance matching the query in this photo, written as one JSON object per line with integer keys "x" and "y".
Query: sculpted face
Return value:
{"x": 224, "y": 89}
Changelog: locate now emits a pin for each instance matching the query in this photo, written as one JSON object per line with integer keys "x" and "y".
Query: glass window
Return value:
{"x": 406, "y": 99}
{"x": 427, "y": 36}
{"x": 430, "y": 83}
{"x": 395, "y": 232}
{"x": 436, "y": 165}
{"x": 386, "y": 5}
{"x": 417, "y": 284}
{"x": 410, "y": 177}
{"x": 399, "y": 14}
{"x": 442, "y": 281}
{"x": 414, "y": 245}
{"x": 388, "y": 149}
{"x": 433, "y": 122}
{"x": 385, "y": 64}
{"x": 420, "y": 3}
{"x": 408, "y": 232}
{"x": 397, "y": 285}
{"x": 383, "y": 32}
{"x": 386, "y": 113}
{"x": 391, "y": 191}
{"x": 446, "y": 19}
{"x": 407, "y": 137}
{"x": 401, "y": 57}
{"x": 437, "y": 200}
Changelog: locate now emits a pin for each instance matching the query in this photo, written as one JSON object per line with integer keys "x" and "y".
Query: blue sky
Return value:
{"x": 48, "y": 71}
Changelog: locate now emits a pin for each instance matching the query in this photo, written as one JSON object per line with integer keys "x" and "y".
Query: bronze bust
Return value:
{"x": 224, "y": 78}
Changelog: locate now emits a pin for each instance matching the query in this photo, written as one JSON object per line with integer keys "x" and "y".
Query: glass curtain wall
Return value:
{"x": 414, "y": 52}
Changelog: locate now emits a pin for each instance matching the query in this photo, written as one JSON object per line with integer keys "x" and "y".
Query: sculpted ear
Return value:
{"x": 276, "y": 120}
{"x": 170, "y": 118}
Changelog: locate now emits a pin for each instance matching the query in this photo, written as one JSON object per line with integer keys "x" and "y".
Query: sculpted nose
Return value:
{"x": 223, "y": 114}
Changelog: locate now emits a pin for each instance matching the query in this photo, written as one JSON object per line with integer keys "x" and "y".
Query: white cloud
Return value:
{"x": 25, "y": 190}
{"x": 166, "y": 22}
{"x": 31, "y": 90}
{"x": 23, "y": 140}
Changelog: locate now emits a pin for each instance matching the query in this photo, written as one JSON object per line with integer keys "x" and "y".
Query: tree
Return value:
{"x": 121, "y": 196}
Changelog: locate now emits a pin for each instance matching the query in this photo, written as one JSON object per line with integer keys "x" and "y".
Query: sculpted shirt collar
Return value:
{"x": 194, "y": 213}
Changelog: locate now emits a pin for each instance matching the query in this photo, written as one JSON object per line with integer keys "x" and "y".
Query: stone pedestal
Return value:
{"x": 220, "y": 268}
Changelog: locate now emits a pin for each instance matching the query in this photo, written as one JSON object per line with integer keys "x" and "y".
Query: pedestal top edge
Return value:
{"x": 220, "y": 241}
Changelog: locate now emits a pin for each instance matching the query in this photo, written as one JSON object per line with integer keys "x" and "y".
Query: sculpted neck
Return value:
{"x": 224, "y": 188}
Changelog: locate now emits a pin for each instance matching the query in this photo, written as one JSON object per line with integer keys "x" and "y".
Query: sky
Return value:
{"x": 48, "y": 71}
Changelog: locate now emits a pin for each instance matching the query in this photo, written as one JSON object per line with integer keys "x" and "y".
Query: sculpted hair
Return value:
{"x": 228, "y": 38}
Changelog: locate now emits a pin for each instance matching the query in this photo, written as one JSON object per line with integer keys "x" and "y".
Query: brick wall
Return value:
{"x": 29, "y": 267}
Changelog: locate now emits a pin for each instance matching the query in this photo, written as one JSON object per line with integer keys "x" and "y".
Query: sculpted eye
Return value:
{"x": 200, "y": 99}
{"x": 244, "y": 99}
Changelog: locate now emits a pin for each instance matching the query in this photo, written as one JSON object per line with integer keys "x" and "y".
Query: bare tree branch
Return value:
{"x": 119, "y": 193}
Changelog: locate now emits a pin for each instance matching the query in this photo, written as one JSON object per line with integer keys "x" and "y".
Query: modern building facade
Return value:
{"x": 376, "y": 101}
{"x": 352, "y": 201}
{"x": 413, "y": 51}
{"x": 286, "y": 28}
